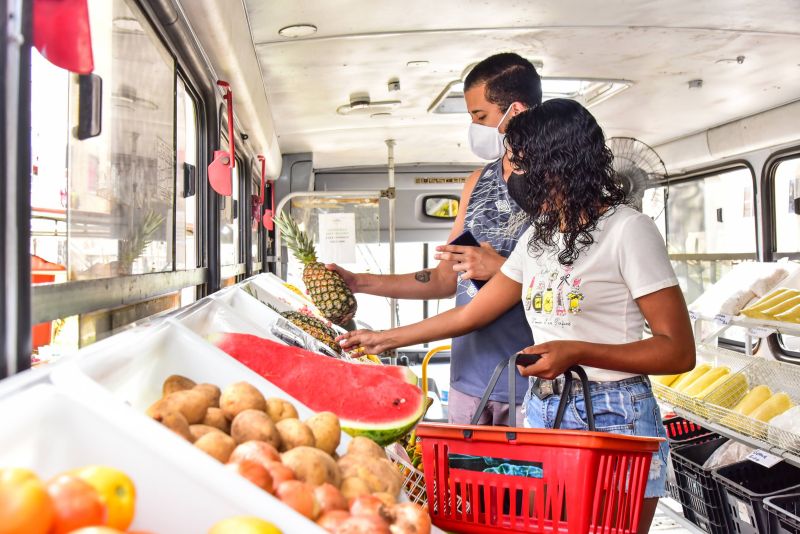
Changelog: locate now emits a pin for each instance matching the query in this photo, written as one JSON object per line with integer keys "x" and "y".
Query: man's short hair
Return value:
{"x": 509, "y": 78}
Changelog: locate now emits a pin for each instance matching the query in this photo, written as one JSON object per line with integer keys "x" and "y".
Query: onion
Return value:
{"x": 364, "y": 524}
{"x": 254, "y": 472}
{"x": 260, "y": 451}
{"x": 299, "y": 496}
{"x": 280, "y": 473}
{"x": 409, "y": 518}
{"x": 329, "y": 498}
{"x": 331, "y": 521}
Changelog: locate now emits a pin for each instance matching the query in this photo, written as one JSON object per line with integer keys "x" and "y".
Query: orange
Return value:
{"x": 244, "y": 525}
{"x": 76, "y": 503}
{"x": 25, "y": 506}
{"x": 116, "y": 491}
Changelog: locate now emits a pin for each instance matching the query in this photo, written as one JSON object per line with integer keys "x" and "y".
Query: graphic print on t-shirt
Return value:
{"x": 554, "y": 296}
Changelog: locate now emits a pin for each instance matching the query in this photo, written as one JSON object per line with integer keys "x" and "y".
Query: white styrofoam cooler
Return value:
{"x": 51, "y": 431}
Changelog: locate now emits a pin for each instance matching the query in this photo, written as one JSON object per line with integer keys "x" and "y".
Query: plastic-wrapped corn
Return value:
{"x": 688, "y": 378}
{"x": 774, "y": 406}
{"x": 755, "y": 398}
{"x": 705, "y": 380}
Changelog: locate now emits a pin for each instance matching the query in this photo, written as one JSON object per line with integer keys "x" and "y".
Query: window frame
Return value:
{"x": 768, "y": 203}
{"x": 702, "y": 174}
{"x": 768, "y": 175}
{"x": 51, "y": 302}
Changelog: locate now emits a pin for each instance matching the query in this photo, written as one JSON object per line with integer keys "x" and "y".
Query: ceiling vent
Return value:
{"x": 360, "y": 104}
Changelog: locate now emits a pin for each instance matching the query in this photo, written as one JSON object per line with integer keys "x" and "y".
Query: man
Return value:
{"x": 498, "y": 88}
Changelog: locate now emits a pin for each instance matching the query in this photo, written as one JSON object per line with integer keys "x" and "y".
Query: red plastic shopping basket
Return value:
{"x": 572, "y": 481}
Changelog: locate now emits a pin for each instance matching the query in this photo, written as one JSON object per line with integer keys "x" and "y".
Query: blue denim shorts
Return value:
{"x": 624, "y": 407}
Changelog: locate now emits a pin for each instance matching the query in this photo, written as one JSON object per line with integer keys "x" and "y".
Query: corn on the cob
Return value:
{"x": 705, "y": 380}
{"x": 782, "y": 307}
{"x": 725, "y": 391}
{"x": 688, "y": 378}
{"x": 775, "y": 405}
{"x": 774, "y": 297}
{"x": 664, "y": 380}
{"x": 790, "y": 316}
{"x": 755, "y": 398}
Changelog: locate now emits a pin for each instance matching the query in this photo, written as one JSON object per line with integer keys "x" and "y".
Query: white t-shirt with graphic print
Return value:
{"x": 594, "y": 299}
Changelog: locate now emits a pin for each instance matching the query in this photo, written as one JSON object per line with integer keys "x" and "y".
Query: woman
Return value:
{"x": 590, "y": 271}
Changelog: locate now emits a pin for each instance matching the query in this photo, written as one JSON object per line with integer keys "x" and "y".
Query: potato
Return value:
{"x": 255, "y": 425}
{"x": 216, "y": 417}
{"x": 294, "y": 433}
{"x": 175, "y": 383}
{"x": 239, "y": 397}
{"x": 279, "y": 409}
{"x": 216, "y": 445}
{"x": 380, "y": 474}
{"x": 327, "y": 431}
{"x": 192, "y": 404}
{"x": 354, "y": 487}
{"x": 211, "y": 391}
{"x": 198, "y": 431}
{"x": 176, "y": 422}
{"x": 361, "y": 446}
{"x": 311, "y": 465}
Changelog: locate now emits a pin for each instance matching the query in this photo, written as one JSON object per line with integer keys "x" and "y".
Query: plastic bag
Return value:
{"x": 788, "y": 421}
{"x": 729, "y": 453}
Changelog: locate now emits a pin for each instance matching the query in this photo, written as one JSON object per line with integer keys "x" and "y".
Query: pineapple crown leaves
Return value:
{"x": 297, "y": 240}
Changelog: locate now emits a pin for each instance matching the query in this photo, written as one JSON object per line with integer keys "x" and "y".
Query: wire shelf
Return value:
{"x": 413, "y": 479}
{"x": 779, "y": 377}
{"x": 715, "y": 357}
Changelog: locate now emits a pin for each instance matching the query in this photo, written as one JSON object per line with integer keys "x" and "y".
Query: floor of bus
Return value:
{"x": 669, "y": 517}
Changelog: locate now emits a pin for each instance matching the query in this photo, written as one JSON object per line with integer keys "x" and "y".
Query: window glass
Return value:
{"x": 786, "y": 197}
{"x": 186, "y": 206}
{"x": 121, "y": 183}
{"x": 654, "y": 204}
{"x": 229, "y": 221}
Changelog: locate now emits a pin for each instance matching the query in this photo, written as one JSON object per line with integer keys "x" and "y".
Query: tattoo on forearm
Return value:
{"x": 423, "y": 276}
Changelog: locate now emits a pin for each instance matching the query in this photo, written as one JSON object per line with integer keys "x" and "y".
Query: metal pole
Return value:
{"x": 390, "y": 144}
{"x": 316, "y": 194}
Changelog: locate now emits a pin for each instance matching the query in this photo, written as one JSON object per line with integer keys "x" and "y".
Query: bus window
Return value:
{"x": 186, "y": 186}
{"x": 255, "y": 225}
{"x": 786, "y": 200}
{"x": 710, "y": 226}
{"x": 108, "y": 206}
{"x": 786, "y": 203}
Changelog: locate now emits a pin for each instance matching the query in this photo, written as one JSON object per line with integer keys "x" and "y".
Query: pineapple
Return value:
{"x": 326, "y": 288}
{"x": 315, "y": 328}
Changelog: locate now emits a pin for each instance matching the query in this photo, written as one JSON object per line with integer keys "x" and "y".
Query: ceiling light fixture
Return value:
{"x": 297, "y": 30}
{"x": 588, "y": 92}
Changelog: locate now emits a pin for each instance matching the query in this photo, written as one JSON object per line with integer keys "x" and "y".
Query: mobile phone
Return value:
{"x": 466, "y": 239}
{"x": 528, "y": 359}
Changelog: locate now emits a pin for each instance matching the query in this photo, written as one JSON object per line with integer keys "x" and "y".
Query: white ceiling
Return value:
{"x": 659, "y": 45}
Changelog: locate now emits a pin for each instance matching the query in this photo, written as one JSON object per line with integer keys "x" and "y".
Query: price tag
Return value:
{"x": 760, "y": 331}
{"x": 692, "y": 316}
{"x": 723, "y": 319}
{"x": 764, "y": 458}
{"x": 744, "y": 514}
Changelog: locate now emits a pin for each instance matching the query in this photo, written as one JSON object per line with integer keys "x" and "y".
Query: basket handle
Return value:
{"x": 530, "y": 359}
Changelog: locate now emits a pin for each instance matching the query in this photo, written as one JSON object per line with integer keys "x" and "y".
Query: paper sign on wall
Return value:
{"x": 337, "y": 237}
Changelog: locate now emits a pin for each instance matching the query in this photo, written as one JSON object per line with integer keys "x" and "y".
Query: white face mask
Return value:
{"x": 486, "y": 142}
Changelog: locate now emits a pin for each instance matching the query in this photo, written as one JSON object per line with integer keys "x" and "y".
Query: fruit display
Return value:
{"x": 81, "y": 500}
{"x": 327, "y": 289}
{"x": 262, "y": 440}
{"x": 380, "y": 402}
{"x": 782, "y": 304}
{"x": 315, "y": 328}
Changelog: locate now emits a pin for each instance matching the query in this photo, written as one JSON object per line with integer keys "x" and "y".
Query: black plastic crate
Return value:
{"x": 784, "y": 514}
{"x": 698, "y": 491}
{"x": 746, "y": 484}
{"x": 681, "y": 432}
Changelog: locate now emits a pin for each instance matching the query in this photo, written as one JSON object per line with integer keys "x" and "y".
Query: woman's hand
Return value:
{"x": 366, "y": 340}
{"x": 556, "y": 358}
{"x": 474, "y": 263}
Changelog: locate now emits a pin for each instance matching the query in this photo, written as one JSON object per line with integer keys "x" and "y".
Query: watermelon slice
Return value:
{"x": 380, "y": 402}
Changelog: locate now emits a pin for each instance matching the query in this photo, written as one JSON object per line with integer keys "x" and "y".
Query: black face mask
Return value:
{"x": 518, "y": 188}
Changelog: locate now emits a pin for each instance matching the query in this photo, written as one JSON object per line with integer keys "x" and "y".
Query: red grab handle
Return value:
{"x": 219, "y": 171}
{"x": 61, "y": 33}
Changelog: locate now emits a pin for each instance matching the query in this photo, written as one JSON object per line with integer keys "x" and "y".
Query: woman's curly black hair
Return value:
{"x": 567, "y": 180}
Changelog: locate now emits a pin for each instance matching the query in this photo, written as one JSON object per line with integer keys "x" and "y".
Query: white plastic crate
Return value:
{"x": 178, "y": 490}
{"x": 132, "y": 367}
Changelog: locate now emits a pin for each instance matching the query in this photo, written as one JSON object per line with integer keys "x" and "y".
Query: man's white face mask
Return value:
{"x": 486, "y": 142}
